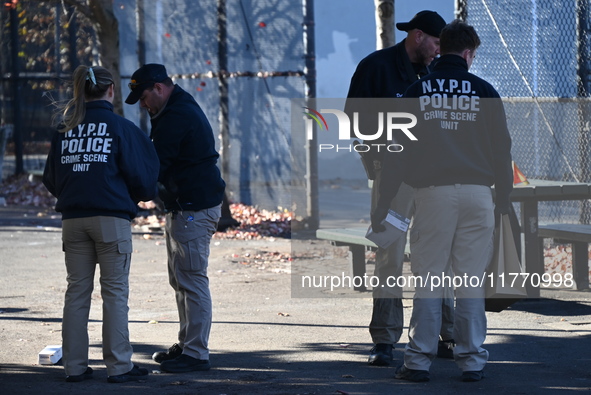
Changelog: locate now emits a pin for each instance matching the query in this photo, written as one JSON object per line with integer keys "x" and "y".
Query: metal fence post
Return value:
{"x": 5, "y": 134}
{"x": 584, "y": 70}
{"x": 313, "y": 215}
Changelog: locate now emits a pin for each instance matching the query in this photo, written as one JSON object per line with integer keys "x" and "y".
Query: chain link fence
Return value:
{"x": 536, "y": 54}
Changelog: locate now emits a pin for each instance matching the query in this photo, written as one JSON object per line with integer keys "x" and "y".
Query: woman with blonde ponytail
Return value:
{"x": 99, "y": 167}
{"x": 89, "y": 83}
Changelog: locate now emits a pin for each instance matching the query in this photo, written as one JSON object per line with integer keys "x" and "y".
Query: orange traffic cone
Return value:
{"x": 518, "y": 177}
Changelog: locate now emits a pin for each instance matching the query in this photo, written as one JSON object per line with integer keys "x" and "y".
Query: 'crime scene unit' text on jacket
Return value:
{"x": 462, "y": 135}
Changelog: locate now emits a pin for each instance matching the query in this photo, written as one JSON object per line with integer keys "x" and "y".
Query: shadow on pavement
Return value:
{"x": 553, "y": 307}
{"x": 515, "y": 367}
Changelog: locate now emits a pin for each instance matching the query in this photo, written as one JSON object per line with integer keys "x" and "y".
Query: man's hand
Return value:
{"x": 377, "y": 217}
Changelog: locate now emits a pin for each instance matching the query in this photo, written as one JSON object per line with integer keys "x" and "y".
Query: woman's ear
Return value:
{"x": 111, "y": 93}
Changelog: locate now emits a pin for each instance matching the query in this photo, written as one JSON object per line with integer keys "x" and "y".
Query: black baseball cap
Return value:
{"x": 143, "y": 78}
{"x": 428, "y": 21}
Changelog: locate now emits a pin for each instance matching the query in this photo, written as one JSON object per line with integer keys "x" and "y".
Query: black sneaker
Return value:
{"x": 134, "y": 374}
{"x": 445, "y": 349}
{"x": 87, "y": 375}
{"x": 472, "y": 376}
{"x": 174, "y": 351}
{"x": 418, "y": 376}
{"x": 185, "y": 363}
{"x": 380, "y": 355}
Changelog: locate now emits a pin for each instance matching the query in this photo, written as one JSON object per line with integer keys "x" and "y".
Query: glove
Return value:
{"x": 377, "y": 217}
{"x": 164, "y": 194}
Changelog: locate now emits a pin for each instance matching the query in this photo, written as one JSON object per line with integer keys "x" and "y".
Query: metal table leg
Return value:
{"x": 534, "y": 259}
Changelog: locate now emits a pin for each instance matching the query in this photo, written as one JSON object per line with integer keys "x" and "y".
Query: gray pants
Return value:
{"x": 387, "y": 320}
{"x": 86, "y": 241}
{"x": 188, "y": 235}
{"x": 453, "y": 225}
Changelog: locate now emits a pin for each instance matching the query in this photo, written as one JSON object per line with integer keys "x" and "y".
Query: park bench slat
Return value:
{"x": 573, "y": 232}
{"x": 346, "y": 236}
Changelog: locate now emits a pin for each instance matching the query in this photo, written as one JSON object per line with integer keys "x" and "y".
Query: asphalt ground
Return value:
{"x": 263, "y": 340}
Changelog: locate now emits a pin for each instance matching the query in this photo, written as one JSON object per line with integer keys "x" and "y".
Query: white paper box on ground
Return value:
{"x": 50, "y": 355}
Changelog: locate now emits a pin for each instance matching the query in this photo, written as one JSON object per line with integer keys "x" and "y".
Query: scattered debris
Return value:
{"x": 558, "y": 259}
{"x": 257, "y": 224}
{"x": 274, "y": 261}
{"x": 26, "y": 190}
{"x": 254, "y": 223}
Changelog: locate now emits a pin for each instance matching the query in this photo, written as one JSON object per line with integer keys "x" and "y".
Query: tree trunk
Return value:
{"x": 384, "y": 23}
{"x": 107, "y": 30}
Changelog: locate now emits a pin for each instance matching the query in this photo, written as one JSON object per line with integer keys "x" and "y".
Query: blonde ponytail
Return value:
{"x": 88, "y": 83}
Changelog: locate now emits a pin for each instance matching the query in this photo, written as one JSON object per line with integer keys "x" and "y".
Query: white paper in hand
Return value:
{"x": 396, "y": 225}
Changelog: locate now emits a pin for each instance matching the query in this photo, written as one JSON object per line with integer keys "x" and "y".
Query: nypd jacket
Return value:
{"x": 104, "y": 166}
{"x": 185, "y": 145}
{"x": 462, "y": 135}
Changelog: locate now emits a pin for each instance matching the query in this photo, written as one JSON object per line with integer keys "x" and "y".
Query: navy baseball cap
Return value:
{"x": 428, "y": 21}
{"x": 143, "y": 78}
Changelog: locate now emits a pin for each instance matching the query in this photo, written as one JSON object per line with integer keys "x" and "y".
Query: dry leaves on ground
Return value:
{"x": 275, "y": 261}
{"x": 558, "y": 259}
{"x": 28, "y": 190}
{"x": 254, "y": 224}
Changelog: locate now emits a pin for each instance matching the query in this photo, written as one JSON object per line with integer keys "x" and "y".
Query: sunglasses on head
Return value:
{"x": 133, "y": 85}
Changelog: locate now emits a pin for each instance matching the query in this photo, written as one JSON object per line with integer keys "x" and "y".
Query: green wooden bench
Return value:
{"x": 354, "y": 238}
{"x": 579, "y": 236}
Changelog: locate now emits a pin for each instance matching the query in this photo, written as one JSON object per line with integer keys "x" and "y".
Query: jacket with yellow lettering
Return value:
{"x": 104, "y": 166}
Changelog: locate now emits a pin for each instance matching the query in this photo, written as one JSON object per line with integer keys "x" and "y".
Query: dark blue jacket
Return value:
{"x": 462, "y": 135}
{"x": 104, "y": 166}
{"x": 383, "y": 74}
{"x": 185, "y": 145}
